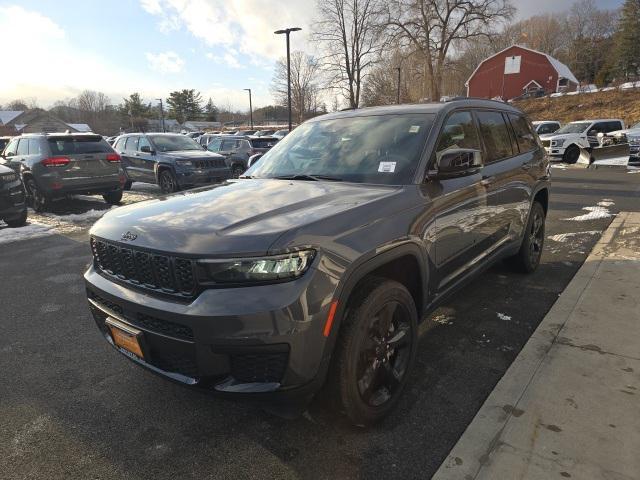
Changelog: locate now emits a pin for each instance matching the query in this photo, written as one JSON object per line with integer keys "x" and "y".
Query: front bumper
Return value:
{"x": 263, "y": 340}
{"x": 12, "y": 200}
{"x": 556, "y": 152}
{"x": 203, "y": 177}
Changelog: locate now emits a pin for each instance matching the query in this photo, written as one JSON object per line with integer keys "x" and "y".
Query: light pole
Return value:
{"x": 161, "y": 114}
{"x": 398, "y": 94}
{"x": 286, "y": 32}
{"x": 250, "y": 107}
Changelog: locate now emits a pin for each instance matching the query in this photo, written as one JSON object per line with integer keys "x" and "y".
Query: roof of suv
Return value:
{"x": 420, "y": 108}
{"x": 591, "y": 120}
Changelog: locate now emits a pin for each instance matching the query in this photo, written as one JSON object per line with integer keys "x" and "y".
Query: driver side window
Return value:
{"x": 459, "y": 131}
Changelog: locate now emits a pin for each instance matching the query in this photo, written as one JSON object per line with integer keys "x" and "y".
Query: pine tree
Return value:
{"x": 628, "y": 39}
{"x": 185, "y": 105}
{"x": 211, "y": 111}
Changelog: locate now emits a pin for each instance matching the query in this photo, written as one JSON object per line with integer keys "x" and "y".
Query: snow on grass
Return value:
{"x": 32, "y": 230}
{"x": 594, "y": 213}
{"x": 503, "y": 317}
{"x": 563, "y": 237}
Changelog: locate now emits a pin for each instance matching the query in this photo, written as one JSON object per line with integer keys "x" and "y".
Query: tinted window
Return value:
{"x": 548, "y": 128}
{"x": 263, "y": 142}
{"x": 120, "y": 144}
{"x": 34, "y": 146}
{"x": 495, "y": 135}
{"x": 132, "y": 144}
{"x": 378, "y": 149}
{"x": 174, "y": 143}
{"x": 11, "y": 148}
{"x": 228, "y": 145}
{"x": 23, "y": 147}
{"x": 459, "y": 131}
{"x": 78, "y": 145}
{"x": 524, "y": 136}
{"x": 613, "y": 126}
{"x": 143, "y": 143}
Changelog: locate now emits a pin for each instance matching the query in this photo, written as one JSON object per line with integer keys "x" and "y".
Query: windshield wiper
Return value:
{"x": 304, "y": 176}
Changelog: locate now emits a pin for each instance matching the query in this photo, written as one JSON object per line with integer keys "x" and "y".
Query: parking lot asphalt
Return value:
{"x": 71, "y": 407}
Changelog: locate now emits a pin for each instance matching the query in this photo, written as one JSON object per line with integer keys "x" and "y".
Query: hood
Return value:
{"x": 5, "y": 169}
{"x": 191, "y": 155}
{"x": 554, "y": 136}
{"x": 243, "y": 217}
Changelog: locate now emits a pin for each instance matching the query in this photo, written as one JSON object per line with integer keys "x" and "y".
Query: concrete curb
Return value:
{"x": 482, "y": 436}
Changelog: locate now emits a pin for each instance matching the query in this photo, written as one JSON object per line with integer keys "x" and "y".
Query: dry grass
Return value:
{"x": 613, "y": 104}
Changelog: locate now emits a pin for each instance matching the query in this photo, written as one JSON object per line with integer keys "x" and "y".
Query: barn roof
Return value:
{"x": 7, "y": 115}
{"x": 561, "y": 68}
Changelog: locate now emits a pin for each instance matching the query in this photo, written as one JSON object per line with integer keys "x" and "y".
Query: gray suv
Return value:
{"x": 318, "y": 264}
{"x": 54, "y": 165}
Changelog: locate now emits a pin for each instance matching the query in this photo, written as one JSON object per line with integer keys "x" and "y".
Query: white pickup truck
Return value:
{"x": 565, "y": 143}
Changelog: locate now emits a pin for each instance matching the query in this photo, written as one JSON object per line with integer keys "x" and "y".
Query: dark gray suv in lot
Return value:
{"x": 319, "y": 263}
{"x": 170, "y": 160}
{"x": 13, "y": 207}
{"x": 54, "y": 165}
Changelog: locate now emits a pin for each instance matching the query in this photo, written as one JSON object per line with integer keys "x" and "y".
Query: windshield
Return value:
{"x": 174, "y": 143}
{"x": 633, "y": 127}
{"x": 577, "y": 127}
{"x": 383, "y": 149}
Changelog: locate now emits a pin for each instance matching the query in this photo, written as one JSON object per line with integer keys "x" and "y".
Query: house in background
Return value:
{"x": 518, "y": 70}
{"x": 198, "y": 126}
{"x": 36, "y": 121}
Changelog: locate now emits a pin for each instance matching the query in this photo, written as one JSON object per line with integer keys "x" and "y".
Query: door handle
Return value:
{"x": 488, "y": 180}
{"x": 526, "y": 166}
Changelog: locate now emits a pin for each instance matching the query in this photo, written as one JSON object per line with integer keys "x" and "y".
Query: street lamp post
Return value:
{"x": 161, "y": 114}
{"x": 398, "y": 94}
{"x": 286, "y": 32}
{"x": 250, "y": 108}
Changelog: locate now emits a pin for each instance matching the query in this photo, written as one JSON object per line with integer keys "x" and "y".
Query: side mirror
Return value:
{"x": 458, "y": 162}
{"x": 146, "y": 149}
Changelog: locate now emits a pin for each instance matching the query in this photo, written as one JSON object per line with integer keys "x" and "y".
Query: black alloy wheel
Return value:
{"x": 528, "y": 257}
{"x": 168, "y": 182}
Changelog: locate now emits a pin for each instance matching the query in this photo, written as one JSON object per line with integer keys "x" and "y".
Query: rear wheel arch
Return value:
{"x": 542, "y": 197}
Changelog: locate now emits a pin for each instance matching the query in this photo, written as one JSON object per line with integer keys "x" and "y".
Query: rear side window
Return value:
{"x": 78, "y": 145}
{"x": 132, "y": 144}
{"x": 144, "y": 143}
{"x": 612, "y": 126}
{"x": 23, "y": 147}
{"x": 263, "y": 143}
{"x": 459, "y": 131}
{"x": 34, "y": 146}
{"x": 495, "y": 135}
{"x": 524, "y": 136}
{"x": 214, "y": 145}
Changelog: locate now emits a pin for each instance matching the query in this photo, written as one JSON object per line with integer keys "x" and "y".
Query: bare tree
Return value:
{"x": 304, "y": 84}
{"x": 91, "y": 101}
{"x": 432, "y": 27}
{"x": 349, "y": 36}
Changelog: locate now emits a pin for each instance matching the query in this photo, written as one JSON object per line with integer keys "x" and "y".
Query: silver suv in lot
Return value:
{"x": 55, "y": 165}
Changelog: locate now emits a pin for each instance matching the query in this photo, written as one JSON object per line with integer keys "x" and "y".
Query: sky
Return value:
{"x": 53, "y": 50}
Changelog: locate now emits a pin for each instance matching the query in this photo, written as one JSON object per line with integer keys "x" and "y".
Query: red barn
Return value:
{"x": 517, "y": 70}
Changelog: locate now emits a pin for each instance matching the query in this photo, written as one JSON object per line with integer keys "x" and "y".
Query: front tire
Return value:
{"x": 571, "y": 154}
{"x": 21, "y": 221}
{"x": 168, "y": 182}
{"x": 528, "y": 257}
{"x": 237, "y": 170}
{"x": 113, "y": 198}
{"x": 375, "y": 351}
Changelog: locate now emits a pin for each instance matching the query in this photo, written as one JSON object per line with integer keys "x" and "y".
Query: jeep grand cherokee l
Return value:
{"x": 320, "y": 262}
{"x": 55, "y": 165}
{"x": 172, "y": 161}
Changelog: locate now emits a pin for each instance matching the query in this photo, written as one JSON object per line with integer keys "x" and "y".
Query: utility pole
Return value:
{"x": 250, "y": 107}
{"x": 398, "y": 94}
{"x": 161, "y": 114}
{"x": 287, "y": 31}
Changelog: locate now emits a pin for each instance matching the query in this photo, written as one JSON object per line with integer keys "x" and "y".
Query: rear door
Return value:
{"x": 130, "y": 149}
{"x": 92, "y": 162}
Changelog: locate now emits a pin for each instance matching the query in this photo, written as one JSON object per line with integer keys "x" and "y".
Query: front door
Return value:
{"x": 145, "y": 157}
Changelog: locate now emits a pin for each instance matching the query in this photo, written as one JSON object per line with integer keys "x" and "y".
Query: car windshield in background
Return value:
{"x": 78, "y": 145}
{"x": 174, "y": 143}
{"x": 381, "y": 149}
{"x": 578, "y": 127}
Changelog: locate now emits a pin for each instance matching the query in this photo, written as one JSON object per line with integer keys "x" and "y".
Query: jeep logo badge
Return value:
{"x": 129, "y": 237}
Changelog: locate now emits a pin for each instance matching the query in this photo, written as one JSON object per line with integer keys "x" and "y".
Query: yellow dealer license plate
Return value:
{"x": 125, "y": 337}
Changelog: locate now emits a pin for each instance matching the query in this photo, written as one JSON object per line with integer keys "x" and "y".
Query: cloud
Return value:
{"x": 166, "y": 62}
{"x": 244, "y": 25}
{"x": 228, "y": 59}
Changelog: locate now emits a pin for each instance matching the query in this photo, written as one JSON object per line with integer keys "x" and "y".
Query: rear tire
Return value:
{"x": 113, "y": 198}
{"x": 127, "y": 185}
{"x": 21, "y": 221}
{"x": 375, "y": 351}
{"x": 36, "y": 198}
{"x": 571, "y": 154}
{"x": 167, "y": 181}
{"x": 528, "y": 257}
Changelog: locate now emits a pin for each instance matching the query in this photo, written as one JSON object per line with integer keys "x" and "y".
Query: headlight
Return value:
{"x": 185, "y": 163}
{"x": 557, "y": 143}
{"x": 277, "y": 268}
{"x": 633, "y": 140}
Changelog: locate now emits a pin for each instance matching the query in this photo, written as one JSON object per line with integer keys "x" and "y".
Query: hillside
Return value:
{"x": 613, "y": 104}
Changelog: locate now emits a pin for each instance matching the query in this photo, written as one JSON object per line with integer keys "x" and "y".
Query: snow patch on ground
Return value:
{"x": 594, "y": 214}
{"x": 78, "y": 217}
{"x": 563, "y": 237}
{"x": 33, "y": 230}
{"x": 560, "y": 166}
{"x": 504, "y": 317}
{"x": 607, "y": 202}
{"x": 443, "y": 319}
